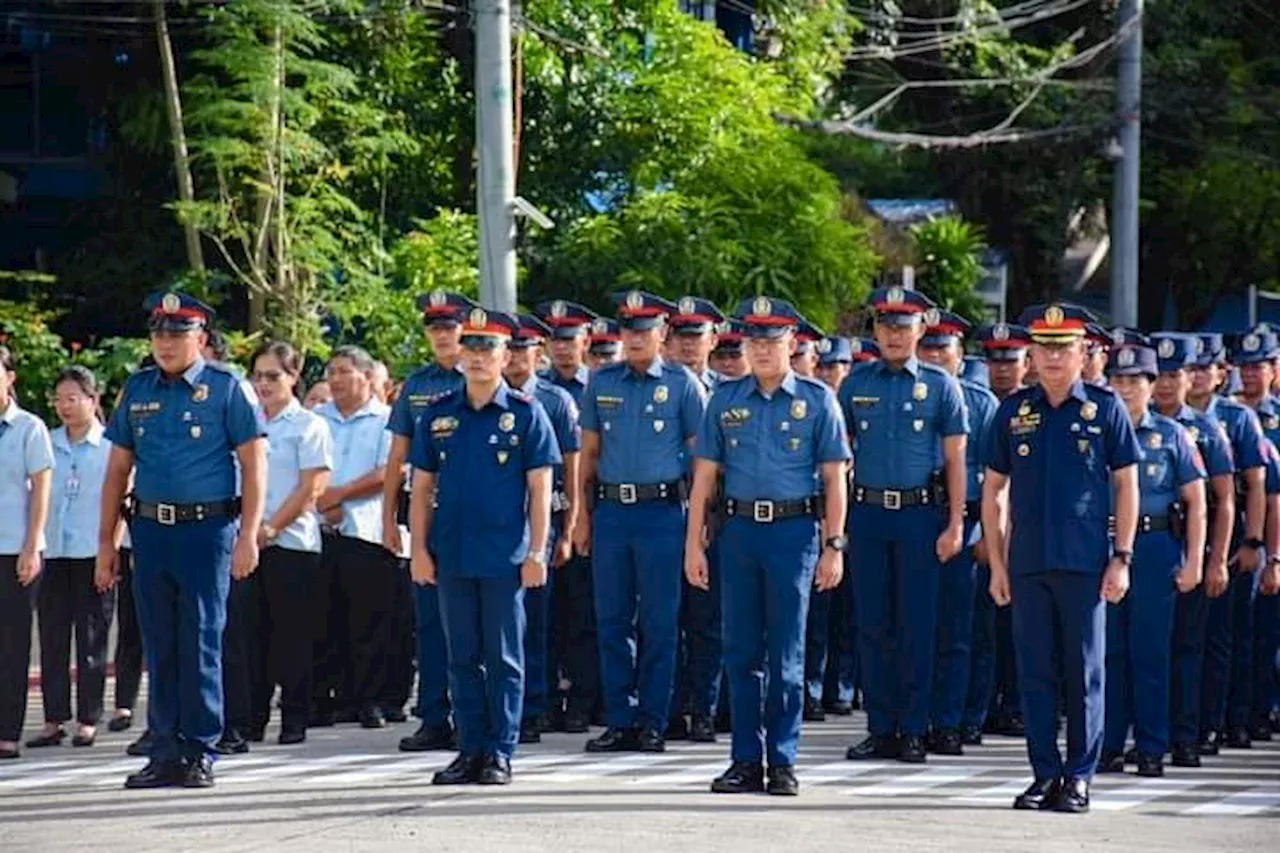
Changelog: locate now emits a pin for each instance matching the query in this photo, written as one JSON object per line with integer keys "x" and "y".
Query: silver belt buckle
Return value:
{"x": 762, "y": 511}
{"x": 167, "y": 514}
{"x": 892, "y": 499}
{"x": 627, "y": 493}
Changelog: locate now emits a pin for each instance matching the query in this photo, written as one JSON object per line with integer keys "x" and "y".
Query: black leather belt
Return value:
{"x": 973, "y": 510}
{"x": 635, "y": 493}
{"x": 892, "y": 498}
{"x": 1146, "y": 524}
{"x": 170, "y": 514}
{"x": 767, "y": 512}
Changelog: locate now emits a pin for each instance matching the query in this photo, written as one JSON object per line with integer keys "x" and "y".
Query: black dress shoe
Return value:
{"x": 972, "y": 736}
{"x": 529, "y": 732}
{"x": 1131, "y": 756}
{"x": 1185, "y": 755}
{"x": 1074, "y": 798}
{"x": 839, "y": 708}
{"x": 141, "y": 747}
{"x": 912, "y": 750}
{"x": 428, "y": 738}
{"x": 1014, "y": 726}
{"x": 1260, "y": 730}
{"x": 157, "y": 774}
{"x": 1151, "y": 766}
{"x": 43, "y": 740}
{"x": 783, "y": 782}
{"x": 1209, "y": 744}
{"x": 371, "y": 717}
{"x": 1040, "y": 796}
{"x": 813, "y": 712}
{"x": 463, "y": 770}
{"x": 742, "y": 777}
{"x": 677, "y": 728}
{"x": 947, "y": 742}
{"x": 84, "y": 740}
{"x": 1111, "y": 762}
{"x": 120, "y": 724}
{"x": 702, "y": 729}
{"x": 231, "y": 743}
{"x": 1239, "y": 738}
{"x": 873, "y": 746}
{"x": 576, "y": 722}
{"x": 257, "y": 734}
{"x": 613, "y": 740}
{"x": 651, "y": 740}
{"x": 199, "y": 773}
{"x": 289, "y": 737}
{"x": 395, "y": 714}
{"x": 9, "y": 753}
{"x": 495, "y": 770}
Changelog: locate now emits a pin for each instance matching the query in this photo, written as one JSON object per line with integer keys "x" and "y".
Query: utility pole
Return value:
{"x": 1124, "y": 206}
{"x": 496, "y": 187}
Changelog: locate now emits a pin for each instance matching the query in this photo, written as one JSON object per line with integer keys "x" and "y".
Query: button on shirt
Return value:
{"x": 897, "y": 419}
{"x": 1168, "y": 460}
{"x": 361, "y": 443}
{"x": 562, "y": 412}
{"x": 79, "y": 468}
{"x": 1059, "y": 463}
{"x": 1209, "y": 438}
{"x": 770, "y": 445}
{"x": 183, "y": 432}
{"x": 423, "y": 387}
{"x": 576, "y": 384}
{"x": 25, "y": 450}
{"x": 980, "y": 405}
{"x": 481, "y": 458}
{"x": 643, "y": 420}
{"x": 297, "y": 441}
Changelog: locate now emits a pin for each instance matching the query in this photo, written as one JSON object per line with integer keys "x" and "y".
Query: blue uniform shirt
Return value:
{"x": 1243, "y": 431}
{"x": 361, "y": 443}
{"x": 423, "y": 387}
{"x": 897, "y": 419}
{"x": 1059, "y": 463}
{"x": 480, "y": 458}
{"x": 297, "y": 441}
{"x": 643, "y": 420}
{"x": 980, "y": 405}
{"x": 25, "y": 450}
{"x": 183, "y": 432}
{"x": 770, "y": 446}
{"x": 562, "y": 412}
{"x": 79, "y": 468}
{"x": 1168, "y": 460}
{"x": 576, "y": 385}
{"x": 1210, "y": 440}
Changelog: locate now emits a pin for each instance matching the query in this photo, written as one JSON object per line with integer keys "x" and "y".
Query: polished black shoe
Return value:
{"x": 529, "y": 731}
{"x": 1111, "y": 762}
{"x": 813, "y": 712}
{"x": 289, "y": 737}
{"x": 495, "y": 770}
{"x": 972, "y": 736}
{"x": 1013, "y": 726}
{"x": 9, "y": 753}
{"x": 1185, "y": 755}
{"x": 650, "y": 740}
{"x": 428, "y": 738}
{"x": 945, "y": 742}
{"x": 121, "y": 723}
{"x": 157, "y": 774}
{"x": 1151, "y": 766}
{"x": 257, "y": 734}
{"x": 463, "y": 770}
{"x": 1131, "y": 755}
{"x": 141, "y": 747}
{"x": 677, "y": 728}
{"x": 1040, "y": 796}
{"x": 576, "y": 722}
{"x": 395, "y": 714}
{"x": 742, "y": 777}
{"x": 912, "y": 750}
{"x": 702, "y": 729}
{"x": 199, "y": 773}
{"x": 84, "y": 740}
{"x": 371, "y": 717}
{"x": 838, "y": 708}
{"x": 43, "y": 740}
{"x": 1260, "y": 730}
{"x": 613, "y": 740}
{"x": 782, "y": 782}
{"x": 874, "y": 746}
{"x": 1210, "y": 743}
{"x": 231, "y": 743}
{"x": 1239, "y": 738}
{"x": 1074, "y": 798}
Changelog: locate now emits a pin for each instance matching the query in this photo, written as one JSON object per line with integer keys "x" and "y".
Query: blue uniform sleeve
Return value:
{"x": 565, "y": 422}
{"x": 1272, "y": 485}
{"x": 422, "y": 449}
{"x": 1122, "y": 444}
{"x": 244, "y": 417}
{"x": 38, "y": 448}
{"x": 540, "y": 441}
{"x": 118, "y": 431}
{"x": 1188, "y": 465}
{"x": 980, "y": 418}
{"x": 710, "y": 443}
{"x": 998, "y": 458}
{"x": 952, "y": 418}
{"x": 831, "y": 443}
{"x": 587, "y": 415}
{"x": 1218, "y": 459}
{"x": 315, "y": 446}
{"x": 401, "y": 421}
{"x": 693, "y": 404}
{"x": 1248, "y": 442}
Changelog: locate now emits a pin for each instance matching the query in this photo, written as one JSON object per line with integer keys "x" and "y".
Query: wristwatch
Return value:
{"x": 539, "y": 557}
{"x": 268, "y": 532}
{"x": 1254, "y": 543}
{"x": 838, "y": 543}
{"x": 1125, "y": 557}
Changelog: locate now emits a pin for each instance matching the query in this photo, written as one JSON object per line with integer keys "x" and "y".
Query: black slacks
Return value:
{"x": 15, "y": 648}
{"x": 360, "y": 579}
{"x": 128, "y": 657}
{"x": 242, "y": 656}
{"x": 287, "y": 584}
{"x": 66, "y": 599}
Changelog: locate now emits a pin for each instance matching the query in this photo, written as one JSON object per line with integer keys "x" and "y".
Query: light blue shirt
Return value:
{"x": 297, "y": 441}
{"x": 25, "y": 450}
{"x": 361, "y": 443}
{"x": 79, "y": 468}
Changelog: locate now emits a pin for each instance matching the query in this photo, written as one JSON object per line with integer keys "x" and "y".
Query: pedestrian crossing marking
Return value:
{"x": 1251, "y": 802}
{"x": 696, "y": 774}
{"x": 1119, "y": 799}
{"x": 1000, "y": 794}
{"x": 914, "y": 783}
{"x": 614, "y": 767}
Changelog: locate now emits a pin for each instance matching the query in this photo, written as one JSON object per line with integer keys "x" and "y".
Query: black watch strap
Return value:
{"x": 1253, "y": 543}
{"x": 1124, "y": 556}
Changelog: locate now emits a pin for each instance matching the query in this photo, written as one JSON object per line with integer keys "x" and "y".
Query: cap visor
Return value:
{"x": 897, "y": 318}
{"x": 640, "y": 324}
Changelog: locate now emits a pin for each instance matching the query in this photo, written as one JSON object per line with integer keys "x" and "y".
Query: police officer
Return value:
{"x": 639, "y": 417}
{"x": 1169, "y": 547}
{"x": 770, "y": 434}
{"x": 1175, "y": 354}
{"x": 1063, "y": 456}
{"x": 520, "y": 374}
{"x": 183, "y": 423}
{"x": 604, "y": 345}
{"x": 1097, "y": 342}
{"x": 26, "y": 474}
{"x": 943, "y": 345}
{"x": 804, "y": 360}
{"x": 907, "y": 516}
{"x": 727, "y": 358}
{"x": 441, "y": 317}
{"x": 483, "y": 460}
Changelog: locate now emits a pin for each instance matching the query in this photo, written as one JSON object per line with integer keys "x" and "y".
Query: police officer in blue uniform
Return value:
{"x": 943, "y": 345}
{"x": 480, "y": 518}
{"x": 604, "y": 344}
{"x": 183, "y": 424}
{"x": 520, "y": 374}
{"x": 1097, "y": 342}
{"x": 639, "y": 417}
{"x": 727, "y": 358}
{"x": 1063, "y": 458}
{"x": 804, "y": 360}
{"x": 907, "y": 422}
{"x": 1175, "y": 353}
{"x": 441, "y": 316}
{"x": 1167, "y": 560}
{"x": 770, "y": 434}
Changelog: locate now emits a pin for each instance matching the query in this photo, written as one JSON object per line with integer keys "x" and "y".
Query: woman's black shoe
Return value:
{"x": 42, "y": 740}
{"x": 120, "y": 724}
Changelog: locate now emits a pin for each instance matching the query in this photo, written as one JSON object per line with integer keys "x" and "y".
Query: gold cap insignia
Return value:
{"x": 687, "y": 305}
{"x": 1251, "y": 342}
{"x": 895, "y": 296}
{"x": 763, "y": 306}
{"x": 438, "y": 298}
{"x": 559, "y": 309}
{"x": 1000, "y": 332}
{"x": 635, "y": 300}
{"x": 1125, "y": 358}
{"x": 170, "y": 303}
{"x": 1166, "y": 348}
{"x": 478, "y": 319}
{"x": 1054, "y": 315}
{"x": 932, "y": 317}
{"x": 600, "y": 326}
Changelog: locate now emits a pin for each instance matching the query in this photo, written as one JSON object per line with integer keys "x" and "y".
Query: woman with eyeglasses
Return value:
{"x": 26, "y": 471}
{"x": 67, "y": 598}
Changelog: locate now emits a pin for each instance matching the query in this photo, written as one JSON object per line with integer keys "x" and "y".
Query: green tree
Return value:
{"x": 947, "y": 251}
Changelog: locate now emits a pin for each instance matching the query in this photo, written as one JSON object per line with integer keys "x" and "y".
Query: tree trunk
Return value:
{"x": 262, "y": 248}
{"x": 177, "y": 135}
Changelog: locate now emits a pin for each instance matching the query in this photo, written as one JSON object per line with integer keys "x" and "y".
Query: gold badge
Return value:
{"x": 478, "y": 318}
{"x": 171, "y": 303}
{"x": 793, "y": 443}
{"x": 1024, "y": 409}
{"x": 1154, "y": 440}
{"x": 919, "y": 391}
{"x": 1083, "y": 444}
{"x": 1054, "y": 315}
{"x": 1024, "y": 450}
{"x": 200, "y": 394}
{"x": 1089, "y": 410}
{"x": 438, "y": 298}
{"x": 762, "y": 307}
{"x": 661, "y": 394}
{"x": 506, "y": 421}
{"x": 798, "y": 409}
{"x": 658, "y": 425}
{"x": 502, "y": 457}
{"x": 195, "y": 431}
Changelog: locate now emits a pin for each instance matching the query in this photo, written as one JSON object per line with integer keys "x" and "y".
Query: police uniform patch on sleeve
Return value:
{"x": 1089, "y": 410}
{"x": 798, "y": 409}
{"x": 507, "y": 421}
{"x": 920, "y": 391}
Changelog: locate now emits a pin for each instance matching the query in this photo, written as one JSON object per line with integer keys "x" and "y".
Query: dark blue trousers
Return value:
{"x": 433, "y": 657}
{"x": 955, "y": 636}
{"x": 766, "y": 579}
{"x": 637, "y": 560}
{"x": 181, "y": 577}
{"x": 1068, "y": 604}
{"x": 576, "y": 642}
{"x": 1266, "y": 638}
{"x": 1190, "y": 617}
{"x": 982, "y": 654}
{"x": 830, "y": 665}
{"x": 484, "y": 628}
{"x": 701, "y": 655}
{"x": 537, "y": 637}
{"x": 1228, "y": 656}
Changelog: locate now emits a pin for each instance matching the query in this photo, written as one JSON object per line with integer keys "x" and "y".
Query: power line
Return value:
{"x": 918, "y": 140}
{"x": 878, "y": 15}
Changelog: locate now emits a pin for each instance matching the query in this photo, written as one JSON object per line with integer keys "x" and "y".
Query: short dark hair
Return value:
{"x": 81, "y": 376}
{"x": 358, "y": 356}
{"x": 218, "y": 344}
{"x": 283, "y": 352}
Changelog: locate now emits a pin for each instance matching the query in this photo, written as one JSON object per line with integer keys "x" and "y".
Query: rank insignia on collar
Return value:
{"x": 661, "y": 394}
{"x": 506, "y": 421}
{"x": 200, "y": 394}
{"x": 919, "y": 391}
{"x": 798, "y": 409}
{"x": 1089, "y": 410}
{"x": 1155, "y": 440}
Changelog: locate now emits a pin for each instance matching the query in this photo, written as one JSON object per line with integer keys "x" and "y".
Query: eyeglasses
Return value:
{"x": 267, "y": 375}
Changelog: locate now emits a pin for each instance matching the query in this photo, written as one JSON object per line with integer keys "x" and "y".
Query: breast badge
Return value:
{"x": 919, "y": 391}
{"x": 506, "y": 421}
{"x": 661, "y": 394}
{"x": 798, "y": 409}
{"x": 200, "y": 394}
{"x": 1089, "y": 410}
